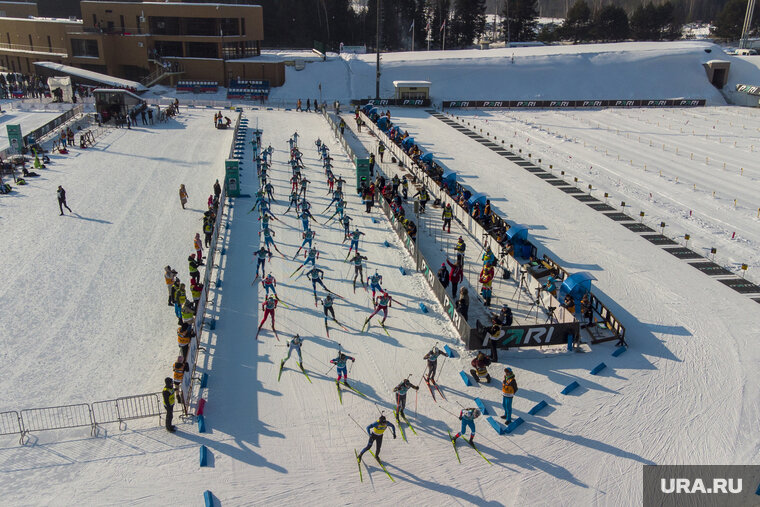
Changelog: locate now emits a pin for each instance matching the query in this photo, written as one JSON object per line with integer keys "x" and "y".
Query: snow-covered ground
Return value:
{"x": 29, "y": 120}
{"x": 681, "y": 166}
{"x": 689, "y": 372}
{"x": 599, "y": 71}
{"x": 83, "y": 297}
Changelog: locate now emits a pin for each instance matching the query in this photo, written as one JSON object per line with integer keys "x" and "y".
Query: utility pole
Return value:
{"x": 747, "y": 24}
{"x": 377, "y": 50}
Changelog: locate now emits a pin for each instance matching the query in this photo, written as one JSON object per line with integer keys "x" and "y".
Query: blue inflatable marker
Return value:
{"x": 212, "y": 324}
{"x": 204, "y": 380}
{"x": 619, "y": 351}
{"x": 757, "y": 491}
{"x": 403, "y": 271}
{"x": 448, "y": 350}
{"x": 481, "y": 406}
{"x": 571, "y": 386}
{"x": 204, "y": 456}
{"x": 208, "y": 498}
{"x": 423, "y": 308}
{"x": 374, "y": 220}
{"x": 224, "y": 251}
{"x": 495, "y": 425}
{"x": 386, "y": 243}
{"x": 513, "y": 425}
{"x": 570, "y": 343}
{"x": 599, "y": 367}
{"x": 465, "y": 378}
{"x": 201, "y": 424}
{"x": 541, "y": 404}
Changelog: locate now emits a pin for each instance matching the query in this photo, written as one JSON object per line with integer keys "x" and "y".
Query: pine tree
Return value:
{"x": 578, "y": 22}
{"x": 731, "y": 20}
{"x": 469, "y": 21}
{"x": 611, "y": 24}
{"x": 520, "y": 20}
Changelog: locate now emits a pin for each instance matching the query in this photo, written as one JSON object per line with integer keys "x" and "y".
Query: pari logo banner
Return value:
{"x": 553, "y": 104}
{"x": 528, "y": 336}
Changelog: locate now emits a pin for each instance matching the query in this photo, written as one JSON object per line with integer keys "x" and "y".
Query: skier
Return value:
{"x": 304, "y": 216}
{"x": 508, "y": 391}
{"x": 262, "y": 254}
{"x": 447, "y": 215}
{"x": 62, "y": 200}
{"x": 315, "y": 275}
{"x": 375, "y": 432}
{"x": 294, "y": 344}
{"x": 357, "y": 262}
{"x": 308, "y": 236}
{"x": 401, "y": 391}
{"x": 467, "y": 416}
{"x": 304, "y": 184}
{"x": 311, "y": 257}
{"x": 328, "y": 303}
{"x": 268, "y": 235}
{"x": 432, "y": 363}
{"x": 270, "y": 283}
{"x": 293, "y": 200}
{"x": 382, "y": 304}
{"x": 480, "y": 367}
{"x": 346, "y": 221}
{"x": 269, "y": 189}
{"x": 374, "y": 284}
{"x": 486, "y": 278}
{"x": 354, "y": 241}
{"x": 198, "y": 245}
{"x": 269, "y": 306}
{"x": 340, "y": 364}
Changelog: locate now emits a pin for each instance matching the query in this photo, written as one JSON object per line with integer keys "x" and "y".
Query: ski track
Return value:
{"x": 691, "y": 354}
{"x": 709, "y": 220}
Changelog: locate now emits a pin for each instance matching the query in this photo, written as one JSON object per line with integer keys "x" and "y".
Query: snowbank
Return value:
{"x": 600, "y": 71}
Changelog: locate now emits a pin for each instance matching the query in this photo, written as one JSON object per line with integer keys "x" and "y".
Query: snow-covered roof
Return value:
{"x": 93, "y": 76}
{"x": 419, "y": 84}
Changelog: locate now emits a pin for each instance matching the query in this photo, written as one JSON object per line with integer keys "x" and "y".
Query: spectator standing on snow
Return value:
{"x": 508, "y": 391}
{"x": 168, "y": 394}
{"x": 62, "y": 200}
{"x": 182, "y": 195}
{"x": 217, "y": 190}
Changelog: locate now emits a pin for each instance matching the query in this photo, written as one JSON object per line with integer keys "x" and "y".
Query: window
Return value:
{"x": 168, "y": 48}
{"x": 239, "y": 49}
{"x": 121, "y": 20}
{"x": 163, "y": 26}
{"x": 31, "y": 44}
{"x": 139, "y": 28}
{"x": 199, "y": 26}
{"x": 94, "y": 21}
{"x": 50, "y": 44}
{"x": 202, "y": 50}
{"x": 85, "y": 47}
{"x": 230, "y": 26}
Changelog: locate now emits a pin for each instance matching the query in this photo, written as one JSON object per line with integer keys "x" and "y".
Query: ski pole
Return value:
{"x": 359, "y": 425}
{"x": 331, "y": 367}
{"x": 442, "y": 365}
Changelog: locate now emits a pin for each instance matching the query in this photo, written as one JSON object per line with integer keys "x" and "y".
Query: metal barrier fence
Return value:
{"x": 10, "y": 423}
{"x": 120, "y": 410}
{"x": 56, "y": 418}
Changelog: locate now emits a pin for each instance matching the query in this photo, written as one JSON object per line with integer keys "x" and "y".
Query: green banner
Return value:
{"x": 15, "y": 139}
{"x": 232, "y": 175}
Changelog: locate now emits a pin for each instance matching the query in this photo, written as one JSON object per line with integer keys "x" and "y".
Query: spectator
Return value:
{"x": 443, "y": 275}
{"x": 168, "y": 394}
{"x": 182, "y": 195}
{"x": 463, "y": 303}
{"x": 62, "y": 200}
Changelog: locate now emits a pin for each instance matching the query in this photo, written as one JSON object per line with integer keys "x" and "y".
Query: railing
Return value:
{"x": 10, "y": 423}
{"x": 35, "y": 49}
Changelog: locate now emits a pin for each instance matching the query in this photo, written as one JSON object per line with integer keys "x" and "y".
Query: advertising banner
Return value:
{"x": 551, "y": 104}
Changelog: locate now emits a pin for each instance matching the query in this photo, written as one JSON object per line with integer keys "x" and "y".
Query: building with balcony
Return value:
{"x": 150, "y": 42}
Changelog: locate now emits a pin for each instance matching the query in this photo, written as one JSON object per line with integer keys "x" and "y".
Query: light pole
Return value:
{"x": 377, "y": 50}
